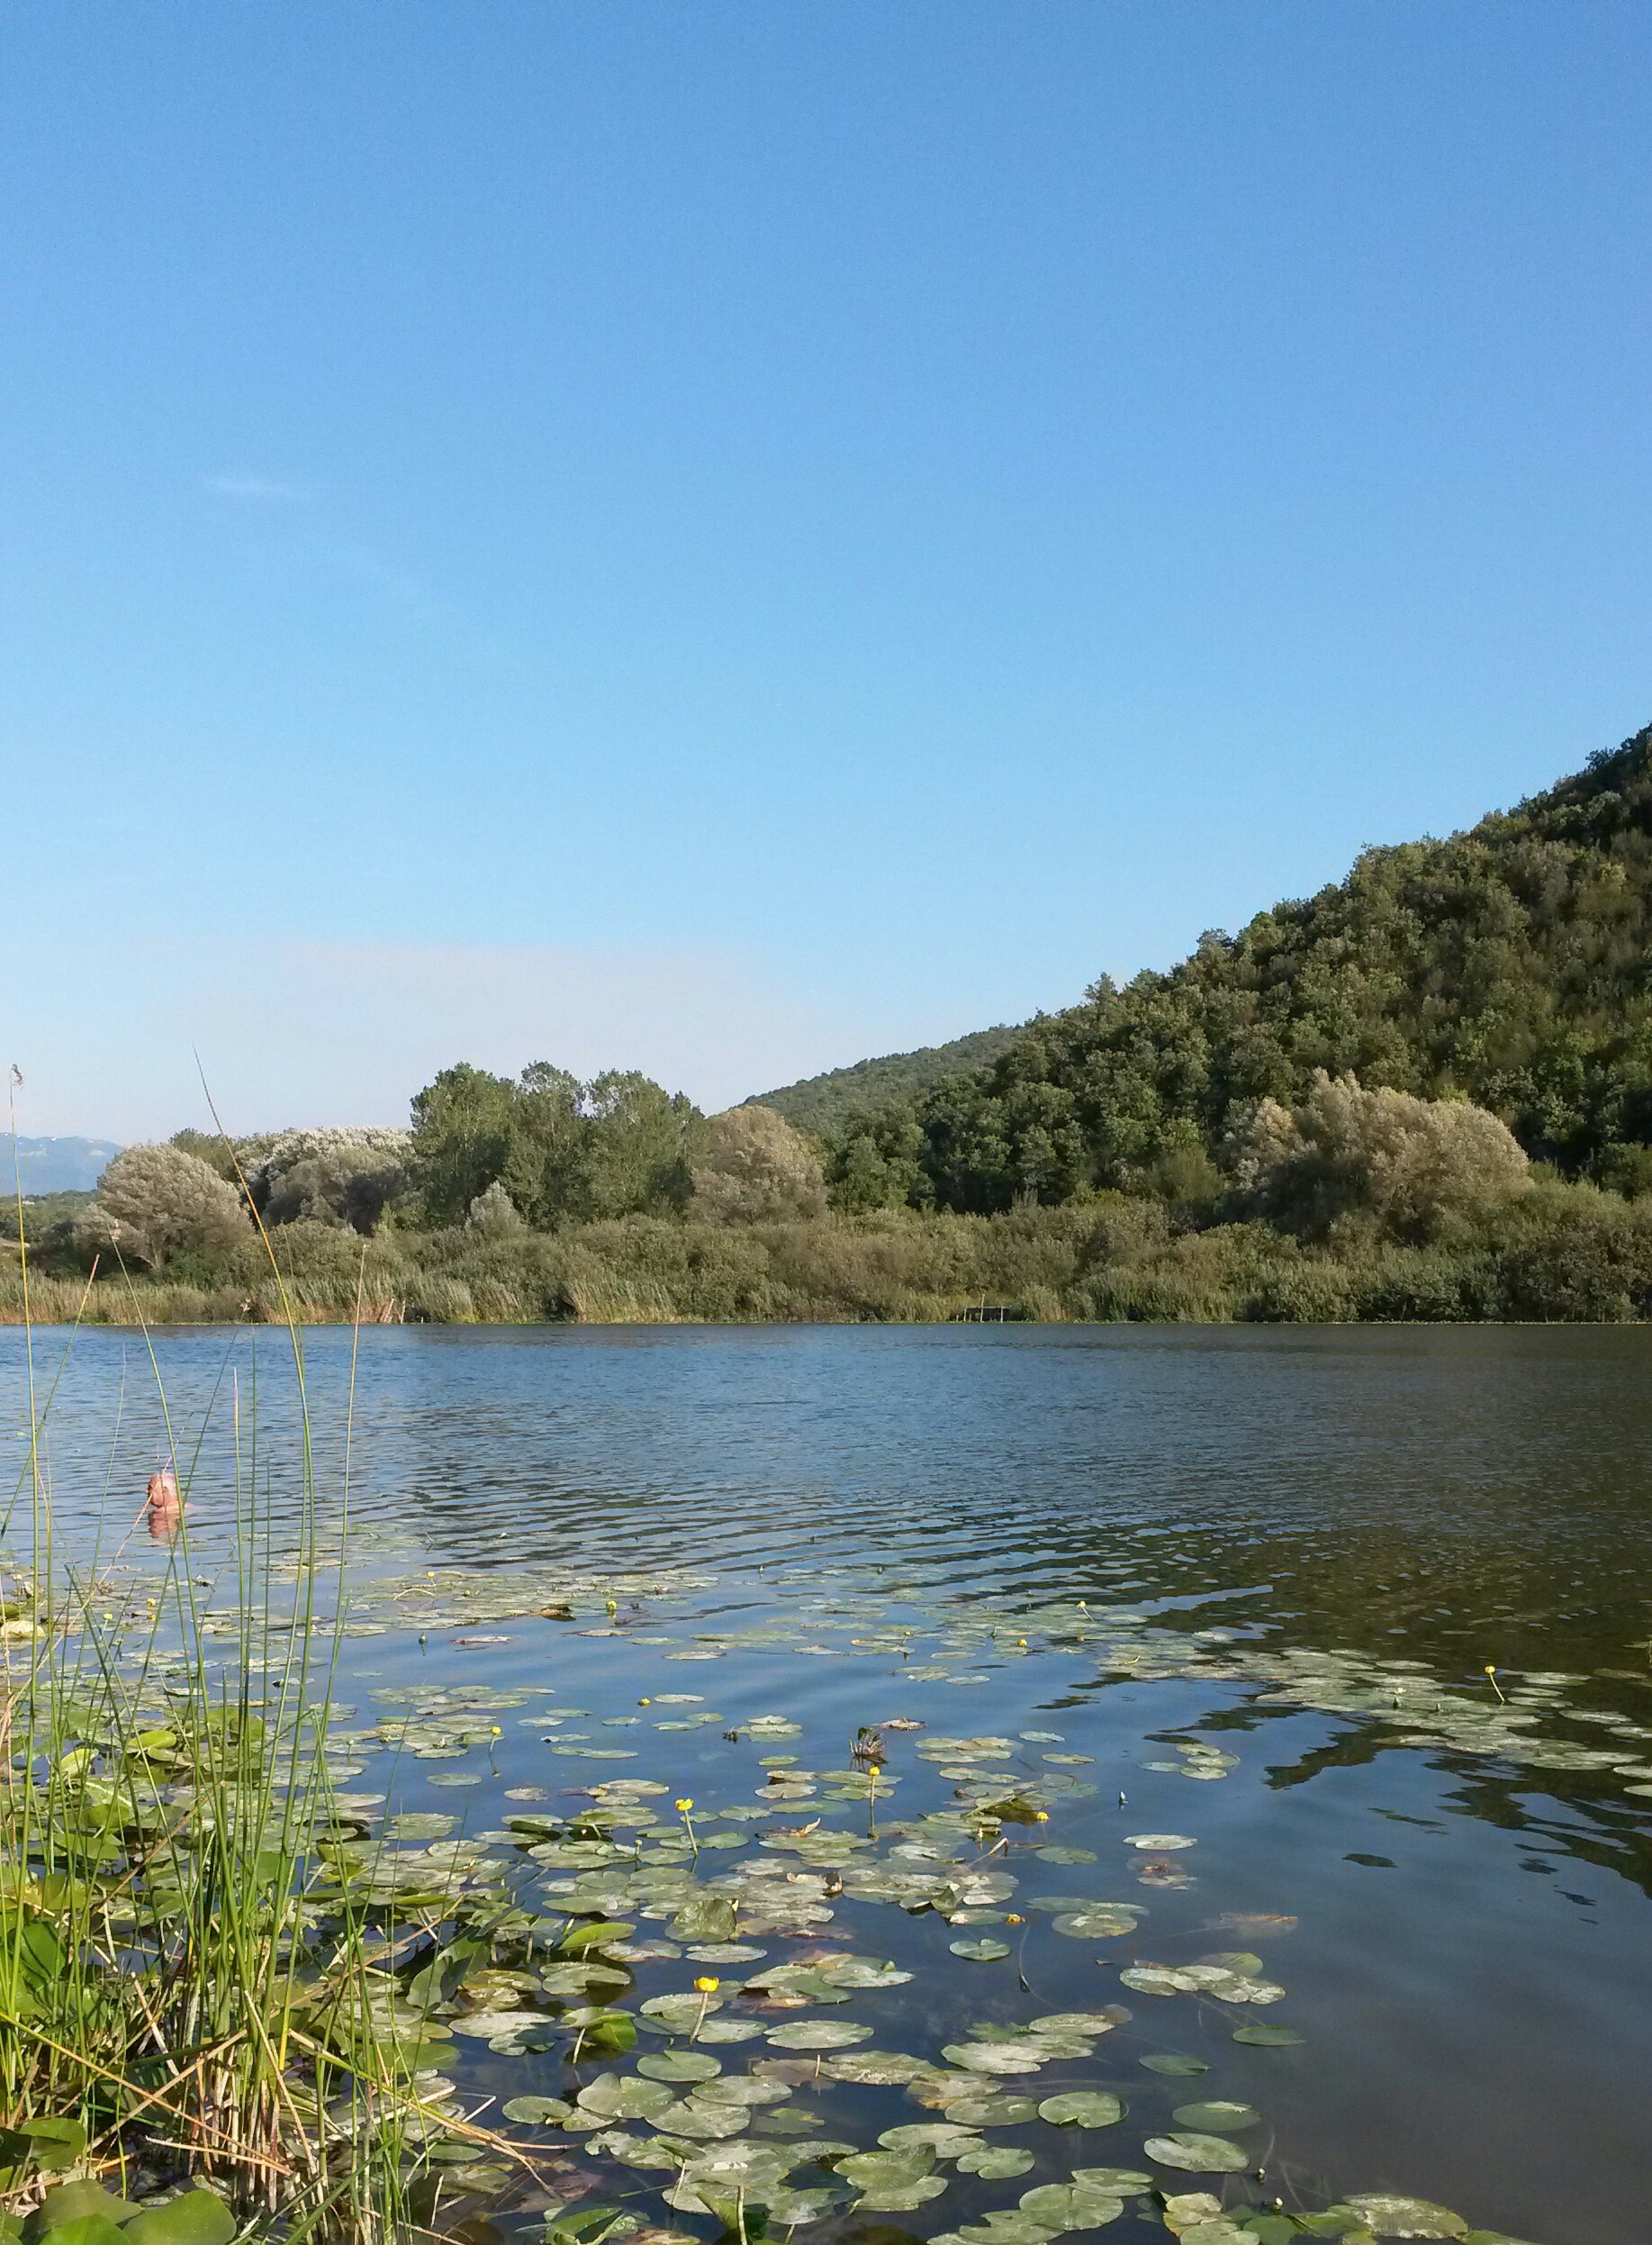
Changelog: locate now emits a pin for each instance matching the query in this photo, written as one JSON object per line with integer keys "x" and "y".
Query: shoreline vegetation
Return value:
{"x": 1425, "y": 1094}
{"x": 1561, "y": 1254}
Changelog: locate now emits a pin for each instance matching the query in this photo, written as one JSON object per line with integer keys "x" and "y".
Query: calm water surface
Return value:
{"x": 1465, "y": 1938}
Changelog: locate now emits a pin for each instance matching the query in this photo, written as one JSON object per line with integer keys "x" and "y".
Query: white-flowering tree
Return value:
{"x": 1411, "y": 1165}
{"x": 495, "y": 1215}
{"x": 756, "y": 1166}
{"x": 157, "y": 1203}
{"x": 334, "y": 1176}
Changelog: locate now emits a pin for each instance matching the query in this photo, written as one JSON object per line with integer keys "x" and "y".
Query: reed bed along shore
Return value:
{"x": 1569, "y": 1254}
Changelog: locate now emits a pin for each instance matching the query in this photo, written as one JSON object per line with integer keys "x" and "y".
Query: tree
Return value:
{"x": 756, "y": 1168}
{"x": 462, "y": 1130}
{"x": 640, "y": 1145}
{"x": 493, "y": 1215}
{"x": 341, "y": 1185}
{"x": 564, "y": 1152}
{"x": 878, "y": 1160}
{"x": 1413, "y": 1166}
{"x": 207, "y": 1146}
{"x": 157, "y": 1203}
{"x": 545, "y": 1172}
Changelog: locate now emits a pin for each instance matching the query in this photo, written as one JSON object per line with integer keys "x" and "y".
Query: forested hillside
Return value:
{"x": 1508, "y": 964}
{"x": 823, "y": 1104}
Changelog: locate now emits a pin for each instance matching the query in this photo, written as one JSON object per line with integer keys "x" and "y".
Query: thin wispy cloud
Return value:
{"x": 258, "y": 490}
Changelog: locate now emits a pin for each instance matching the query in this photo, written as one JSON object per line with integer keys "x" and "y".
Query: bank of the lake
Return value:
{"x": 1560, "y": 1253}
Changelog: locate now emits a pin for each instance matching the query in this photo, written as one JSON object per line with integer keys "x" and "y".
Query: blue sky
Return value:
{"x": 725, "y": 538}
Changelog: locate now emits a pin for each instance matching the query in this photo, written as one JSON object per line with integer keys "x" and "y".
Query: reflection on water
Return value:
{"x": 1469, "y": 1962}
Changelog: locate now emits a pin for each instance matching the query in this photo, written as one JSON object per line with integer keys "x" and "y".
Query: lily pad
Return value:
{"x": 1263, "y": 2036}
{"x": 678, "y": 2015}
{"x": 1158, "y": 1980}
{"x": 875, "y": 2068}
{"x": 997, "y": 2058}
{"x": 994, "y": 2163}
{"x": 1082, "y": 2108}
{"x": 1202, "y": 2154}
{"x": 1387, "y": 2216}
{"x": 677, "y": 2066}
{"x": 983, "y": 1952}
{"x": 699, "y": 2120}
{"x": 1062, "y": 2206}
{"x": 985, "y": 2110}
{"x": 1006, "y": 2227}
{"x": 1160, "y": 1842}
{"x": 537, "y": 2112}
{"x": 943, "y": 2139}
{"x": 1102, "y": 1921}
{"x": 902, "y": 2198}
{"x": 893, "y": 2182}
{"x": 793, "y": 2208}
{"x": 610, "y": 2098}
{"x": 745, "y": 2090}
{"x": 866, "y": 2169}
{"x": 1191, "y": 2212}
{"x": 1221, "y": 2113}
{"x": 197, "y": 2218}
{"x": 818, "y": 2035}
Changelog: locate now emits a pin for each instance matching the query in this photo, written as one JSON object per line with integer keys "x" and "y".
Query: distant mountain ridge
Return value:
{"x": 821, "y": 1104}
{"x": 59, "y": 1164}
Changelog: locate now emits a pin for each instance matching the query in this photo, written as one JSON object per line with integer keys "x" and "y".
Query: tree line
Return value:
{"x": 489, "y": 1155}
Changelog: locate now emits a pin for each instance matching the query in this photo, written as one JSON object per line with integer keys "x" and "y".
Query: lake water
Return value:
{"x": 1231, "y": 1588}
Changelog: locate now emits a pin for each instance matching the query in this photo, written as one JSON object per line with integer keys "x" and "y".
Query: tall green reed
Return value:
{"x": 190, "y": 1983}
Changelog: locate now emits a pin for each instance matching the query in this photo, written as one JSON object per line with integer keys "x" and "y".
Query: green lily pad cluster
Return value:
{"x": 86, "y": 2213}
{"x": 672, "y": 1977}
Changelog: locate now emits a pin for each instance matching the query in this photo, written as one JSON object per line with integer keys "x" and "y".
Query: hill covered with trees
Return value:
{"x": 823, "y": 1104}
{"x": 1510, "y": 965}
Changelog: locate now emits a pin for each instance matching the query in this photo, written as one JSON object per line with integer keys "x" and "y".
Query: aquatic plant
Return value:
{"x": 203, "y": 1970}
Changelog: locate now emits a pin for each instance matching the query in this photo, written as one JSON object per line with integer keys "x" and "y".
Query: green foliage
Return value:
{"x": 1411, "y": 1167}
{"x": 463, "y": 1125}
{"x": 639, "y": 1145}
{"x": 562, "y": 1150}
{"x": 207, "y": 1146}
{"x": 821, "y": 1105}
{"x": 1505, "y": 965}
{"x": 493, "y": 1215}
{"x": 158, "y": 1205}
{"x": 345, "y": 1177}
{"x": 879, "y": 1161}
{"x": 756, "y": 1166}
{"x": 44, "y": 1217}
{"x": 1556, "y": 1250}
